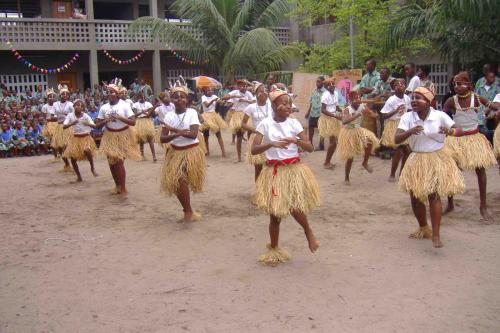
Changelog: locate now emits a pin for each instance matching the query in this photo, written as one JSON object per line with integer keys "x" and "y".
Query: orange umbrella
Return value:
{"x": 206, "y": 82}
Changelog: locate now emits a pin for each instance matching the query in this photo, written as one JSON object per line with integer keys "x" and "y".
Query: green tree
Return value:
{"x": 371, "y": 24}
{"x": 462, "y": 31}
{"x": 233, "y": 35}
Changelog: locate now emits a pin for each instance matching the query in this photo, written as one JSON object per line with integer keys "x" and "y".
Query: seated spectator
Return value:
{"x": 6, "y": 140}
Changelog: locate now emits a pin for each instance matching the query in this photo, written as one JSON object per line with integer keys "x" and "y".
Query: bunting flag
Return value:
{"x": 40, "y": 69}
{"x": 182, "y": 58}
{"x": 128, "y": 61}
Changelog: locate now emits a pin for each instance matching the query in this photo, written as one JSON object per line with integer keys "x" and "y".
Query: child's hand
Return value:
{"x": 290, "y": 140}
{"x": 279, "y": 144}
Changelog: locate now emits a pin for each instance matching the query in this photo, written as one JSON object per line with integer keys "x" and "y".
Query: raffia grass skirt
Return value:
{"x": 235, "y": 122}
{"x": 213, "y": 121}
{"x": 254, "y": 159}
{"x": 295, "y": 186}
{"x": 471, "y": 151}
{"x": 390, "y": 128}
{"x": 353, "y": 141}
{"x": 145, "y": 129}
{"x": 328, "y": 126}
{"x": 428, "y": 173}
{"x": 188, "y": 165}
{"x": 119, "y": 145}
{"x": 229, "y": 115}
{"x": 48, "y": 129}
{"x": 496, "y": 141}
{"x": 78, "y": 145}
{"x": 203, "y": 143}
{"x": 61, "y": 136}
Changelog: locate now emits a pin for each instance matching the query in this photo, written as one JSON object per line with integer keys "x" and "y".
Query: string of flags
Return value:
{"x": 182, "y": 58}
{"x": 128, "y": 61}
{"x": 41, "y": 69}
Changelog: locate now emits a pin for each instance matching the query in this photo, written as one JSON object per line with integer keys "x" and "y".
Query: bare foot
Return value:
{"x": 189, "y": 217}
{"x": 487, "y": 217}
{"x": 392, "y": 179}
{"x": 367, "y": 168}
{"x": 347, "y": 182}
{"x": 115, "y": 190}
{"x": 78, "y": 180}
{"x": 436, "y": 242}
{"x": 95, "y": 174}
{"x": 329, "y": 166}
{"x": 154, "y": 160}
{"x": 449, "y": 209}
{"x": 237, "y": 161}
{"x": 311, "y": 239}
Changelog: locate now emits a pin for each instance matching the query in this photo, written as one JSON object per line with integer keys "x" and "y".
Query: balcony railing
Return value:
{"x": 58, "y": 34}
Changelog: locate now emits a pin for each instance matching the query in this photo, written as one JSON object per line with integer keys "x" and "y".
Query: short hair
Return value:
{"x": 386, "y": 69}
{"x": 426, "y": 69}
{"x": 411, "y": 64}
{"x": 371, "y": 60}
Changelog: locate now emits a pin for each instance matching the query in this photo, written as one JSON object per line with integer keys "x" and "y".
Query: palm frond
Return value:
{"x": 274, "y": 59}
{"x": 243, "y": 17}
{"x": 172, "y": 34}
{"x": 274, "y": 14}
{"x": 206, "y": 18}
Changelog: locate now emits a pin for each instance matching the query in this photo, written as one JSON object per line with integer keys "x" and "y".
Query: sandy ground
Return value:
{"x": 76, "y": 259}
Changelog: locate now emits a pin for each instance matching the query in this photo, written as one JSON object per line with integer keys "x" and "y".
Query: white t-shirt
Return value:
{"x": 496, "y": 99}
{"x": 393, "y": 103}
{"x": 430, "y": 139}
{"x": 121, "y": 108}
{"x": 140, "y": 107}
{"x": 130, "y": 102}
{"x": 331, "y": 101}
{"x": 61, "y": 110}
{"x": 237, "y": 105}
{"x": 275, "y": 131}
{"x": 414, "y": 84}
{"x": 182, "y": 121}
{"x": 163, "y": 109}
{"x": 48, "y": 110}
{"x": 258, "y": 113}
{"x": 356, "y": 123}
{"x": 206, "y": 99}
{"x": 82, "y": 127}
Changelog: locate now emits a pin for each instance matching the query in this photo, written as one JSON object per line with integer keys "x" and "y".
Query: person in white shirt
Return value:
{"x": 124, "y": 96}
{"x": 81, "y": 146}
{"x": 394, "y": 108}
{"x": 430, "y": 172}
{"x": 62, "y": 136}
{"x": 257, "y": 112}
{"x": 240, "y": 98}
{"x": 472, "y": 150}
{"x": 118, "y": 141}
{"x": 49, "y": 112}
{"x": 285, "y": 186}
{"x": 184, "y": 167}
{"x": 212, "y": 121}
{"x": 330, "y": 120}
{"x": 161, "y": 110}
{"x": 144, "y": 126}
{"x": 410, "y": 72}
{"x": 354, "y": 139}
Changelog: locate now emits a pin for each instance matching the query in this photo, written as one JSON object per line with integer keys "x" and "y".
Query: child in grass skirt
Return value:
{"x": 285, "y": 186}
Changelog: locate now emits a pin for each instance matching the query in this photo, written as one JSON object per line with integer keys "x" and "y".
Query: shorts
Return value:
{"x": 313, "y": 122}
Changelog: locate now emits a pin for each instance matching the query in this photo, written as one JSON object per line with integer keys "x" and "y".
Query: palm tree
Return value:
{"x": 462, "y": 30}
{"x": 233, "y": 35}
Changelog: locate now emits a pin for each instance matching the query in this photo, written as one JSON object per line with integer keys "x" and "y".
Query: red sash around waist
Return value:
{"x": 81, "y": 135}
{"x": 276, "y": 164}
{"x": 185, "y": 147}
{"x": 117, "y": 130}
{"x": 471, "y": 132}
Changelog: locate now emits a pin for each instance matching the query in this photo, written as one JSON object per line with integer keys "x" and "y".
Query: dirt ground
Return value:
{"x": 76, "y": 259}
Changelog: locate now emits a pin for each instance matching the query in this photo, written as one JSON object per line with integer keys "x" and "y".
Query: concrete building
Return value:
{"x": 46, "y": 35}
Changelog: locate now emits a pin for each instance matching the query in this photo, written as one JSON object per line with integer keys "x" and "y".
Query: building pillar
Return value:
{"x": 156, "y": 72}
{"x": 135, "y": 9}
{"x": 93, "y": 68}
{"x": 89, "y": 9}
{"x": 46, "y": 5}
{"x": 153, "y": 8}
